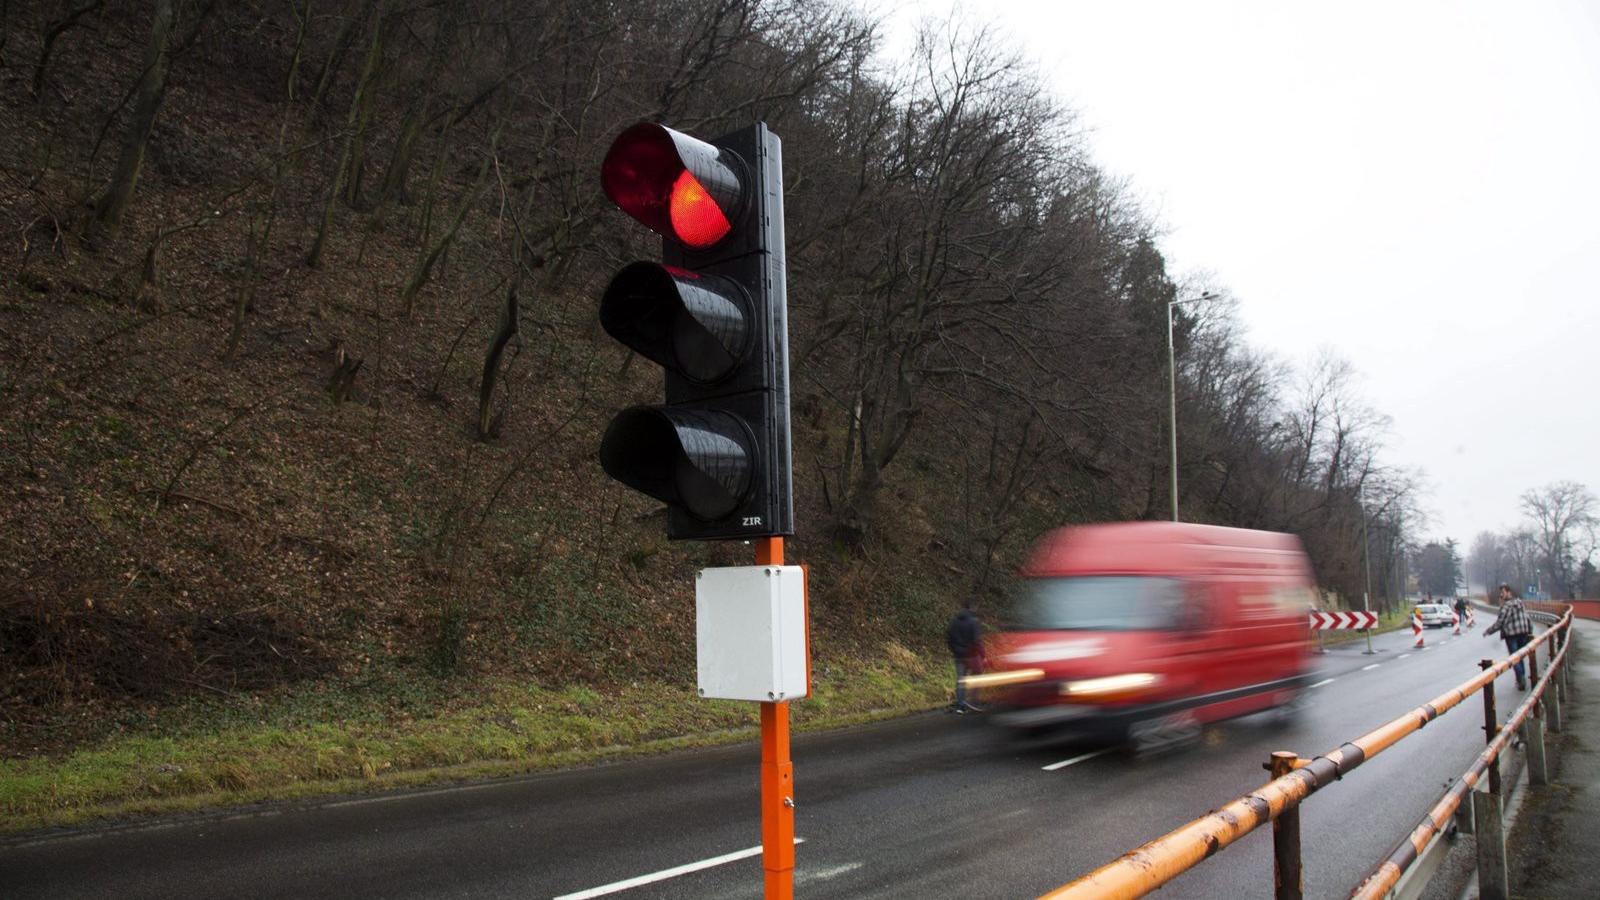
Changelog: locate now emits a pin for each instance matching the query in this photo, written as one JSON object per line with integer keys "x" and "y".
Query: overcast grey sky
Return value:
{"x": 1415, "y": 184}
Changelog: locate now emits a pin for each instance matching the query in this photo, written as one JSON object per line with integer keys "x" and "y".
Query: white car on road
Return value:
{"x": 1436, "y": 615}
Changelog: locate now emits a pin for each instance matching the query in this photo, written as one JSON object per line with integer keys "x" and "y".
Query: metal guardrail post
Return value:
{"x": 1552, "y": 694}
{"x": 1533, "y": 732}
{"x": 1491, "y": 840}
{"x": 1561, "y": 678}
{"x": 1285, "y": 837}
{"x": 1464, "y": 814}
{"x": 1491, "y": 728}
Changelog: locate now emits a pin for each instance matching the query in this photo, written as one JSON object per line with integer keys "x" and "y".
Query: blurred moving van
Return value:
{"x": 1145, "y": 631}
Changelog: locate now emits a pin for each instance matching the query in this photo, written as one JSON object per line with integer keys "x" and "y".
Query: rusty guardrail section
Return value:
{"x": 1542, "y": 703}
{"x": 1147, "y": 868}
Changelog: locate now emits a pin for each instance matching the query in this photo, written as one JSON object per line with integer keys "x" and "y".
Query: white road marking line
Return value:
{"x": 664, "y": 874}
{"x": 1321, "y": 683}
{"x": 1427, "y": 648}
{"x": 825, "y": 874}
{"x": 1402, "y": 656}
{"x": 1076, "y": 759}
{"x": 1373, "y": 666}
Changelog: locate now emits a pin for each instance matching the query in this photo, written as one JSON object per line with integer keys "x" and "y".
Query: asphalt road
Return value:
{"x": 931, "y": 806}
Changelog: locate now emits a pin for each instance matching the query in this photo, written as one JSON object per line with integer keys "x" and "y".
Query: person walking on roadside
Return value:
{"x": 1461, "y": 610}
{"x": 962, "y": 637}
{"x": 1514, "y": 626}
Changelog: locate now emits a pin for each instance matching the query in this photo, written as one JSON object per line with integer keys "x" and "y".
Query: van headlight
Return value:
{"x": 1131, "y": 683}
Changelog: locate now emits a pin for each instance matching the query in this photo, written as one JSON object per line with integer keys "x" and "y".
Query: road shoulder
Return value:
{"x": 1554, "y": 843}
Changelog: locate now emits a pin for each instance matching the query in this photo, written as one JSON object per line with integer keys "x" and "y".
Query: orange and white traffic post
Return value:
{"x": 712, "y": 313}
{"x": 1456, "y": 617}
{"x": 1416, "y": 626}
{"x": 777, "y": 772}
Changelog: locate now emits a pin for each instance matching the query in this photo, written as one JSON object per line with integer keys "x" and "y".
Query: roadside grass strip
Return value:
{"x": 291, "y": 747}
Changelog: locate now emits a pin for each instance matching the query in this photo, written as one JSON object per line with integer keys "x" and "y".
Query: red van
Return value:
{"x": 1145, "y": 631}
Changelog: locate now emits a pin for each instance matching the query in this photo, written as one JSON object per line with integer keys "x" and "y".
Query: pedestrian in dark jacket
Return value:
{"x": 962, "y": 637}
{"x": 1514, "y": 626}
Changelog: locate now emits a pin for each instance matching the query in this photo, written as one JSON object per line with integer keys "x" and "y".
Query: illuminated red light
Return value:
{"x": 696, "y": 218}
{"x": 677, "y": 185}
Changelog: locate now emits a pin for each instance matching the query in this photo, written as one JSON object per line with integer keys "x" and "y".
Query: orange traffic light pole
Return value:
{"x": 777, "y": 774}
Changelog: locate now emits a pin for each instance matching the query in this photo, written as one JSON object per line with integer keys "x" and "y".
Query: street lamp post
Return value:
{"x": 1172, "y": 393}
{"x": 1366, "y": 557}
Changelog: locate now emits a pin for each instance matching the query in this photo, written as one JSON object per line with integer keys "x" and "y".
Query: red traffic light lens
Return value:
{"x": 680, "y": 187}
{"x": 696, "y": 218}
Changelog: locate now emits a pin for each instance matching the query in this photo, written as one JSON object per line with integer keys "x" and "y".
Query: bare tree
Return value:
{"x": 1564, "y": 519}
{"x": 167, "y": 37}
{"x": 152, "y": 87}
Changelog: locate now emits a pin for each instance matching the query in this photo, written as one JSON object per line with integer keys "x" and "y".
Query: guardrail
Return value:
{"x": 1484, "y": 808}
{"x": 1152, "y": 865}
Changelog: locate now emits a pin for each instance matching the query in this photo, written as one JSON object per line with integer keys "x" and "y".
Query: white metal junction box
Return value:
{"x": 750, "y": 633}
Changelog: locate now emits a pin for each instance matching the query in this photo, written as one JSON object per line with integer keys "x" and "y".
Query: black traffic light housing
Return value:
{"x": 713, "y": 315}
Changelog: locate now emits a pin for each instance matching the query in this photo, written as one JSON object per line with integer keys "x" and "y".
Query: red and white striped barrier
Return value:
{"x": 1343, "y": 621}
{"x": 1416, "y": 627}
{"x": 1456, "y": 617}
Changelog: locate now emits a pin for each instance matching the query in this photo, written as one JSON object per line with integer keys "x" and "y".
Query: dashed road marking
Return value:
{"x": 664, "y": 874}
{"x": 1402, "y": 656}
{"x": 1373, "y": 666}
{"x": 825, "y": 874}
{"x": 1322, "y": 682}
{"x": 1076, "y": 759}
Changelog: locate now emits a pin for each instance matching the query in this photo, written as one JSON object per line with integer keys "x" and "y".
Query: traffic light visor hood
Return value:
{"x": 700, "y": 460}
{"x": 680, "y": 187}
{"x": 695, "y": 325}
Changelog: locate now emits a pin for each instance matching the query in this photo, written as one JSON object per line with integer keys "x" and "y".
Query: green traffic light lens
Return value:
{"x": 699, "y": 460}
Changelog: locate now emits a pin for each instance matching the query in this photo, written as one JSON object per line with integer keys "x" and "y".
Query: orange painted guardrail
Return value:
{"x": 1152, "y": 865}
{"x": 1491, "y": 876}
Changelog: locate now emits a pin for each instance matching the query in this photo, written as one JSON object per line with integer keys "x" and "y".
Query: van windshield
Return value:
{"x": 1099, "y": 603}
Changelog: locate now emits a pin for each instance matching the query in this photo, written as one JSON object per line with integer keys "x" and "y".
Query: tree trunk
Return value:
{"x": 48, "y": 42}
{"x": 320, "y": 242}
{"x": 416, "y": 115}
{"x": 341, "y": 44}
{"x": 427, "y": 259}
{"x": 509, "y": 317}
{"x": 302, "y": 17}
{"x": 358, "y": 138}
{"x": 152, "y": 87}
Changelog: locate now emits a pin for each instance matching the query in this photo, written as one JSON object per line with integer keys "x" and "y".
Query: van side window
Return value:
{"x": 1100, "y": 603}
{"x": 1197, "y": 612}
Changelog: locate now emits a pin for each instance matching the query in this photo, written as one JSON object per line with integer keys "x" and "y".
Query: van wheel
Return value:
{"x": 1164, "y": 734}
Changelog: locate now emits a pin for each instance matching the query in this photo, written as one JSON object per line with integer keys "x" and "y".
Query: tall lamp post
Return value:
{"x": 1366, "y": 558}
{"x": 1172, "y": 393}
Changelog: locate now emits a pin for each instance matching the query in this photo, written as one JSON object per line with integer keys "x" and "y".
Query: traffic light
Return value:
{"x": 713, "y": 315}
